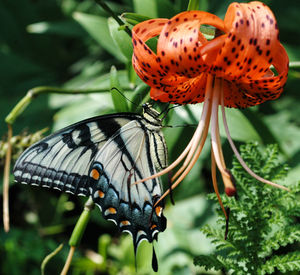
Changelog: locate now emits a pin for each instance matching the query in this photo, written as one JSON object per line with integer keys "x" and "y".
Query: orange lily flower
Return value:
{"x": 244, "y": 66}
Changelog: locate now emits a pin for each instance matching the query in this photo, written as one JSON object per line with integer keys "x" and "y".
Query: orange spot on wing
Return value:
{"x": 95, "y": 174}
{"x": 153, "y": 226}
{"x": 158, "y": 210}
{"x": 112, "y": 210}
{"x": 101, "y": 194}
{"x": 125, "y": 223}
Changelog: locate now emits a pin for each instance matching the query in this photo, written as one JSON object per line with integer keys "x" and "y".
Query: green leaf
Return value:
{"x": 146, "y": 7}
{"x": 208, "y": 262}
{"x": 97, "y": 27}
{"x": 261, "y": 127}
{"x": 283, "y": 237}
{"x": 134, "y": 18}
{"x": 121, "y": 38}
{"x": 239, "y": 126}
{"x": 284, "y": 263}
{"x": 67, "y": 28}
{"x": 117, "y": 94}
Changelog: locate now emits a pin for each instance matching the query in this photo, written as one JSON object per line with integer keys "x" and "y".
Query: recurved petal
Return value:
{"x": 191, "y": 91}
{"x": 252, "y": 37}
{"x": 249, "y": 92}
{"x": 180, "y": 41}
{"x": 144, "y": 60}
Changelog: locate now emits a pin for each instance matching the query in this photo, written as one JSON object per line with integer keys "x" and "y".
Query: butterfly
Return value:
{"x": 103, "y": 157}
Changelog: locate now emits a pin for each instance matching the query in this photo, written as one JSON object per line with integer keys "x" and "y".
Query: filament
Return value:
{"x": 238, "y": 156}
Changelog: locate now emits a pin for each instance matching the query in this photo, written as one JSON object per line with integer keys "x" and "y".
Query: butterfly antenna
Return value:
{"x": 122, "y": 94}
{"x": 167, "y": 110}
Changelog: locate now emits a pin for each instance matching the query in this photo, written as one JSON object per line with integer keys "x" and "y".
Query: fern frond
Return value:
{"x": 262, "y": 219}
{"x": 284, "y": 263}
{"x": 208, "y": 262}
{"x": 283, "y": 237}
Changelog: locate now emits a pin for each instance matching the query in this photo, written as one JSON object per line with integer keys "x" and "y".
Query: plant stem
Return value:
{"x": 68, "y": 261}
{"x": 81, "y": 223}
{"x": 113, "y": 14}
{"x": 49, "y": 257}
{"x": 78, "y": 232}
{"x": 6, "y": 180}
{"x": 32, "y": 93}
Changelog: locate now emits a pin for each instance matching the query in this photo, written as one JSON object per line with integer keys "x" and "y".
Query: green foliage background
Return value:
{"x": 73, "y": 44}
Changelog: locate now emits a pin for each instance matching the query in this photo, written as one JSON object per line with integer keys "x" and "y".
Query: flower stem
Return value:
{"x": 6, "y": 180}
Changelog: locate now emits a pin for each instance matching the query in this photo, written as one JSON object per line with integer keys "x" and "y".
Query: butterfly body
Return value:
{"x": 102, "y": 157}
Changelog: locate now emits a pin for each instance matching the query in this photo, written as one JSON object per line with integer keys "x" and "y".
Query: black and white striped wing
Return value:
{"x": 102, "y": 157}
{"x": 126, "y": 158}
{"x": 63, "y": 159}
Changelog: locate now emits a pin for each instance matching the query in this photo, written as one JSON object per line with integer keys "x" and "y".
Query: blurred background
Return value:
{"x": 73, "y": 44}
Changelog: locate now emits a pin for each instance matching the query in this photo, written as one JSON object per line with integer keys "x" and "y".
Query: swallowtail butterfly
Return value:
{"x": 102, "y": 157}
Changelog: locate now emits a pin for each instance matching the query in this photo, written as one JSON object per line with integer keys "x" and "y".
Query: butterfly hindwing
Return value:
{"x": 102, "y": 157}
{"x": 120, "y": 163}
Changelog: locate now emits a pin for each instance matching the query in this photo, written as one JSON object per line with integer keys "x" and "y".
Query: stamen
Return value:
{"x": 200, "y": 131}
{"x": 215, "y": 184}
{"x": 194, "y": 142}
{"x": 216, "y": 143}
{"x": 189, "y": 167}
{"x": 238, "y": 156}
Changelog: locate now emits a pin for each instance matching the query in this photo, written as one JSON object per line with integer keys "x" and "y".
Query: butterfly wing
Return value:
{"x": 63, "y": 159}
{"x": 126, "y": 158}
{"x": 103, "y": 157}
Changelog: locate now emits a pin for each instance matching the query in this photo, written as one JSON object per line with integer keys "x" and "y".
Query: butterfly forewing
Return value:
{"x": 102, "y": 157}
{"x": 62, "y": 160}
